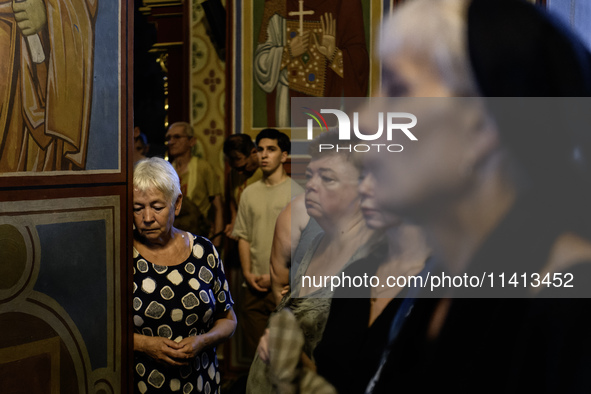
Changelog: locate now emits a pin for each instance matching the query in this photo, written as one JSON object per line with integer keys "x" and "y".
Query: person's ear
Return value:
{"x": 177, "y": 205}
{"x": 283, "y": 156}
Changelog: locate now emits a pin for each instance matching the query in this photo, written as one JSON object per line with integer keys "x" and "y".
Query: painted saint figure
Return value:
{"x": 46, "y": 71}
{"x": 310, "y": 48}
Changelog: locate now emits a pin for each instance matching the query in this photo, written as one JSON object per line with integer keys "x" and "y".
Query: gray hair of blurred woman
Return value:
{"x": 157, "y": 173}
{"x": 460, "y": 41}
{"x": 440, "y": 42}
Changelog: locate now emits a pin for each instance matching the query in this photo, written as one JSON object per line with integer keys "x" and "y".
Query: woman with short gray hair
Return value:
{"x": 182, "y": 307}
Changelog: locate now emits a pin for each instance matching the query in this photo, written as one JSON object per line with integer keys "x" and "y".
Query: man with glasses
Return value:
{"x": 199, "y": 184}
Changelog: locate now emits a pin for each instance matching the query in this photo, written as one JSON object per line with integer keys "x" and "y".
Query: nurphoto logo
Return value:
{"x": 394, "y": 122}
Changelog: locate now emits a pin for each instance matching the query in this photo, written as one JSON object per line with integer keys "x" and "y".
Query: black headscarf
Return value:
{"x": 520, "y": 52}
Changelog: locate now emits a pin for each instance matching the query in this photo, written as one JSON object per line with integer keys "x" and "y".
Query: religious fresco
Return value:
{"x": 333, "y": 58}
{"x": 64, "y": 195}
{"x": 59, "y": 87}
{"x": 300, "y": 48}
{"x": 305, "y": 50}
{"x": 60, "y": 298}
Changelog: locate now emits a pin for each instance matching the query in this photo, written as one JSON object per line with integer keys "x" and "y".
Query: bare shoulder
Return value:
{"x": 299, "y": 214}
{"x": 284, "y": 218}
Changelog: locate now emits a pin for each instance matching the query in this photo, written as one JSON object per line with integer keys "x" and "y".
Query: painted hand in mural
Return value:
{"x": 327, "y": 45}
{"x": 30, "y": 15}
{"x": 299, "y": 45}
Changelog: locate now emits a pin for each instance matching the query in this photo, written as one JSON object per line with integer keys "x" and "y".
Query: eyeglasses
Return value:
{"x": 174, "y": 137}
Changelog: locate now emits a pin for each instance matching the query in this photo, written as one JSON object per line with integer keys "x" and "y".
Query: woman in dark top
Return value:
{"x": 360, "y": 317}
{"x": 496, "y": 185}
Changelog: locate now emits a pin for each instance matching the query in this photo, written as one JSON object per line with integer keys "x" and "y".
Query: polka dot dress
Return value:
{"x": 176, "y": 302}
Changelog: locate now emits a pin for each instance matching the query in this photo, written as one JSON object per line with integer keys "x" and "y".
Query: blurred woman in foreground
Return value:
{"x": 496, "y": 185}
{"x": 349, "y": 367}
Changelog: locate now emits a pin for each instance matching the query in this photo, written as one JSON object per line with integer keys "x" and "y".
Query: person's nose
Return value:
{"x": 148, "y": 216}
{"x": 311, "y": 183}
{"x": 367, "y": 185}
{"x": 364, "y": 189}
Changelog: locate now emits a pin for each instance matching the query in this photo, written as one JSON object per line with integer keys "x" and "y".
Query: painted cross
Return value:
{"x": 301, "y": 14}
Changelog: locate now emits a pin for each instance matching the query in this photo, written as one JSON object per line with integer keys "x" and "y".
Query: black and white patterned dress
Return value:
{"x": 176, "y": 302}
